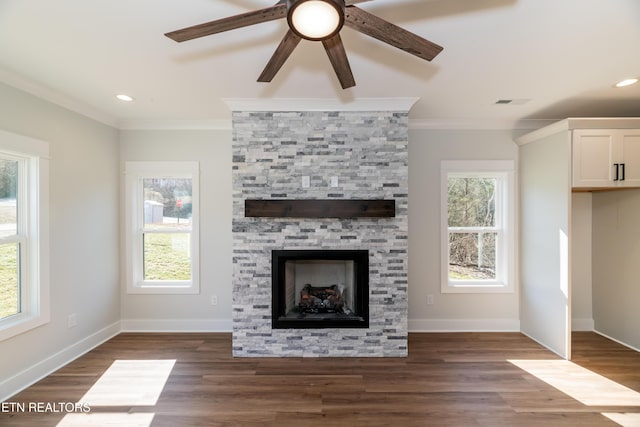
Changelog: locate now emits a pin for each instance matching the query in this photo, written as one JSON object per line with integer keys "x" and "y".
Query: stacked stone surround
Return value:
{"x": 368, "y": 152}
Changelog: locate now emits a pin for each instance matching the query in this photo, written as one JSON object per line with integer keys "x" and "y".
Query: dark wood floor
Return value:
{"x": 462, "y": 379}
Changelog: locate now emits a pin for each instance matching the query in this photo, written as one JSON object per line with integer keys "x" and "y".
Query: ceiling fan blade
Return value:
{"x": 286, "y": 46}
{"x": 231, "y": 23}
{"x": 338, "y": 58}
{"x": 378, "y": 28}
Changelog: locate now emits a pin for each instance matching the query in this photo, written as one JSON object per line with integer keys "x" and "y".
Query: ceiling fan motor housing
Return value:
{"x": 305, "y": 9}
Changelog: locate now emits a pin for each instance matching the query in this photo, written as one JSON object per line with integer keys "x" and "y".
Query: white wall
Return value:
{"x": 84, "y": 237}
{"x": 545, "y": 222}
{"x": 450, "y": 312}
{"x": 616, "y": 266}
{"x": 581, "y": 283}
{"x": 212, "y": 149}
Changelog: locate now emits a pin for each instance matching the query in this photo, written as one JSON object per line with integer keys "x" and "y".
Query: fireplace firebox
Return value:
{"x": 320, "y": 289}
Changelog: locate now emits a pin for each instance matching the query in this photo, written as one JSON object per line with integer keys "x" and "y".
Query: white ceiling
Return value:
{"x": 562, "y": 55}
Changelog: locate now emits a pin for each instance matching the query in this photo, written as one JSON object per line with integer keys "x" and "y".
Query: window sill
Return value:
{"x": 171, "y": 288}
{"x": 16, "y": 325}
{"x": 476, "y": 288}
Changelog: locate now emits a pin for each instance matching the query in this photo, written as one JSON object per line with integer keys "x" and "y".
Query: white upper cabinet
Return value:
{"x": 631, "y": 156}
{"x": 606, "y": 158}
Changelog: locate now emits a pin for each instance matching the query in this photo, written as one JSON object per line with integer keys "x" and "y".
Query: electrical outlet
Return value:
{"x": 214, "y": 299}
{"x": 306, "y": 181}
{"x": 72, "y": 320}
{"x": 429, "y": 299}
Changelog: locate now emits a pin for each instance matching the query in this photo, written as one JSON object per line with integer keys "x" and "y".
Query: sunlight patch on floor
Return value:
{"x": 581, "y": 384}
{"x": 106, "y": 420}
{"x": 625, "y": 420}
{"x": 126, "y": 383}
{"x": 130, "y": 383}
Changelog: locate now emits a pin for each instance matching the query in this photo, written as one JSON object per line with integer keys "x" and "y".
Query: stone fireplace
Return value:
{"x": 320, "y": 155}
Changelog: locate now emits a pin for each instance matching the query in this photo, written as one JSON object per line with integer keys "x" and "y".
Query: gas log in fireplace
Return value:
{"x": 320, "y": 289}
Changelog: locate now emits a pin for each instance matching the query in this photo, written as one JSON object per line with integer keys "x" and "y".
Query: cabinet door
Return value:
{"x": 630, "y": 146}
{"x": 594, "y": 154}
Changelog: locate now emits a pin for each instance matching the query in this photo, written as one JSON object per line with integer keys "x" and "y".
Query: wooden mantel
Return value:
{"x": 320, "y": 208}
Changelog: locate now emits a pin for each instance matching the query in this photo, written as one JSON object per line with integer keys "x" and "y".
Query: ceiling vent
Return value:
{"x": 518, "y": 101}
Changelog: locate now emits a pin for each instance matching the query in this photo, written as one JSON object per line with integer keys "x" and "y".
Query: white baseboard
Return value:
{"x": 176, "y": 325}
{"x": 618, "y": 341}
{"x": 464, "y": 325}
{"x": 582, "y": 325}
{"x": 532, "y": 338}
{"x": 226, "y": 325}
{"x": 35, "y": 373}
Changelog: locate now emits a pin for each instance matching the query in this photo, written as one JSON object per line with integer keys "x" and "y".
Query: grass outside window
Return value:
{"x": 9, "y": 295}
{"x": 167, "y": 256}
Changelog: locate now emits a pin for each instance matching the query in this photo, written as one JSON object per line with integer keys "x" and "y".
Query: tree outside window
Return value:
{"x": 472, "y": 228}
{"x": 478, "y": 217}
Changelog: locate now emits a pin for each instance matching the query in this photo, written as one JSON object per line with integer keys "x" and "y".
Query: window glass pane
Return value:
{"x": 471, "y": 202}
{"x": 8, "y": 192}
{"x": 167, "y": 202}
{"x": 9, "y": 280}
{"x": 167, "y": 256}
{"x": 472, "y": 256}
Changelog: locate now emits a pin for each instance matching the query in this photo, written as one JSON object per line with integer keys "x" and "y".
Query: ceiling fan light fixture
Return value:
{"x": 315, "y": 19}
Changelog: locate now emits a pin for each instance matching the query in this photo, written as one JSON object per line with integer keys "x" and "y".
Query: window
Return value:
{"x": 162, "y": 227}
{"x": 478, "y": 226}
{"x": 24, "y": 281}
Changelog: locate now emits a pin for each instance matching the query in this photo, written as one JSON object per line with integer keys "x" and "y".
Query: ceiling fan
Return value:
{"x": 317, "y": 20}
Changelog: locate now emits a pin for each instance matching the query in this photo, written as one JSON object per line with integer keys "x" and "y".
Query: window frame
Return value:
{"x": 504, "y": 172}
{"x": 135, "y": 173}
{"x": 32, "y": 235}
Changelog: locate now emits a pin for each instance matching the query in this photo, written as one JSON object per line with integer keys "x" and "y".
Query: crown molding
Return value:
{"x": 478, "y": 124}
{"x": 414, "y": 124}
{"x": 51, "y": 95}
{"x": 320, "y": 104}
{"x": 210, "y": 124}
{"x": 579, "y": 123}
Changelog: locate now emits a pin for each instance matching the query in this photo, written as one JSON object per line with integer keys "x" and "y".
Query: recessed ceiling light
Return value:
{"x": 627, "y": 82}
{"x": 125, "y": 98}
